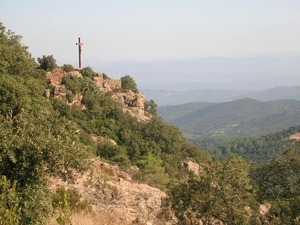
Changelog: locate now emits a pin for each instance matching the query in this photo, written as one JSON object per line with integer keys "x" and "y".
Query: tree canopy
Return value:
{"x": 128, "y": 83}
{"x": 47, "y": 63}
{"x": 14, "y": 57}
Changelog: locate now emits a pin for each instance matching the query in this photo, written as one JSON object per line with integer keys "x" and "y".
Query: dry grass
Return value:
{"x": 86, "y": 218}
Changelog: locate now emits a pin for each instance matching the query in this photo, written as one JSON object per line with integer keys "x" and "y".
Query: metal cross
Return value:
{"x": 79, "y": 49}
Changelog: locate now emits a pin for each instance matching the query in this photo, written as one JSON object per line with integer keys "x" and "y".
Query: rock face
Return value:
{"x": 191, "y": 167}
{"x": 131, "y": 102}
{"x": 113, "y": 194}
{"x": 106, "y": 84}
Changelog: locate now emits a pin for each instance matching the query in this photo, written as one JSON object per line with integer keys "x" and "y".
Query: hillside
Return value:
{"x": 243, "y": 117}
{"x": 253, "y": 149}
{"x": 55, "y": 120}
{"x": 77, "y": 147}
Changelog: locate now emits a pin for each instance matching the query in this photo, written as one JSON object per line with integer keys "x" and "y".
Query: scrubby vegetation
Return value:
{"x": 42, "y": 137}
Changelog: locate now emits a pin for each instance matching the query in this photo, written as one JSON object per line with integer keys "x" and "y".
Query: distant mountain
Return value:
{"x": 277, "y": 93}
{"x": 243, "y": 73}
{"x": 243, "y": 117}
{"x": 169, "y": 97}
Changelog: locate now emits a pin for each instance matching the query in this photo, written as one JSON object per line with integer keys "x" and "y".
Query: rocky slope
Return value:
{"x": 134, "y": 103}
{"x": 115, "y": 198}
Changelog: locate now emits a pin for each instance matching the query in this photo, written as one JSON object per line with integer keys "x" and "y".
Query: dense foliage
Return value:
{"x": 35, "y": 141}
{"x": 252, "y": 149}
{"x": 222, "y": 191}
{"x": 231, "y": 192}
{"x": 14, "y": 57}
{"x": 68, "y": 68}
{"x": 279, "y": 183}
{"x": 47, "y": 62}
{"x": 128, "y": 83}
{"x": 87, "y": 72}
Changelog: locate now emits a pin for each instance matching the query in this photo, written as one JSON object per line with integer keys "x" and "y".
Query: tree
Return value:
{"x": 128, "y": 83}
{"x": 153, "y": 171}
{"x": 279, "y": 183}
{"x": 14, "y": 57}
{"x": 221, "y": 192}
{"x": 47, "y": 63}
{"x": 151, "y": 106}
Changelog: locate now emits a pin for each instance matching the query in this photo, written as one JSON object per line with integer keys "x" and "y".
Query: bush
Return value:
{"x": 70, "y": 198}
{"x": 9, "y": 202}
{"x": 68, "y": 68}
{"x": 87, "y": 72}
{"x": 47, "y": 63}
{"x": 114, "y": 153}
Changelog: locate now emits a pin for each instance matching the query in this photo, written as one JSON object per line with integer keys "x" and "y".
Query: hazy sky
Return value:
{"x": 153, "y": 29}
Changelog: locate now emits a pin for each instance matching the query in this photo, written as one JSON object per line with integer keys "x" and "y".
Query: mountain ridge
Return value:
{"x": 173, "y": 97}
{"x": 242, "y": 117}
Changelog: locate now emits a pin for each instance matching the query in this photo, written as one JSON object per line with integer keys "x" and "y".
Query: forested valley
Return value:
{"x": 44, "y": 137}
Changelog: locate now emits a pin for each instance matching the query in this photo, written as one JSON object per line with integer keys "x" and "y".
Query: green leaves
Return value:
{"x": 68, "y": 68}
{"x": 87, "y": 72}
{"x": 279, "y": 183}
{"x": 153, "y": 172}
{"x": 221, "y": 192}
{"x": 47, "y": 63}
{"x": 9, "y": 202}
{"x": 14, "y": 57}
{"x": 128, "y": 83}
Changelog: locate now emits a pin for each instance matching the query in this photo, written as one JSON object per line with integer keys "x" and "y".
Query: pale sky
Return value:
{"x": 114, "y": 30}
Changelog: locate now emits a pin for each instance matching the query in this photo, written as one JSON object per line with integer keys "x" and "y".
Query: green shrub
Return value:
{"x": 68, "y": 68}
{"x": 69, "y": 198}
{"x": 9, "y": 203}
{"x": 47, "y": 63}
{"x": 87, "y": 72}
{"x": 70, "y": 97}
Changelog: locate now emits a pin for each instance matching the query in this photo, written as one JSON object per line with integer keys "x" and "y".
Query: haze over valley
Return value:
{"x": 213, "y": 79}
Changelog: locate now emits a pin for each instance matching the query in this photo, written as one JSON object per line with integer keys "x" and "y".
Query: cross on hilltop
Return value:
{"x": 79, "y": 49}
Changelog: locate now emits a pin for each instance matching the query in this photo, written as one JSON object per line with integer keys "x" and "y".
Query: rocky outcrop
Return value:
{"x": 60, "y": 91}
{"x": 191, "y": 167}
{"x": 106, "y": 84}
{"x": 55, "y": 77}
{"x": 113, "y": 194}
{"x": 99, "y": 139}
{"x": 129, "y": 101}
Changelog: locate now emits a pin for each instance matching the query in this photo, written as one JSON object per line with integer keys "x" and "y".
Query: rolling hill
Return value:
{"x": 242, "y": 117}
